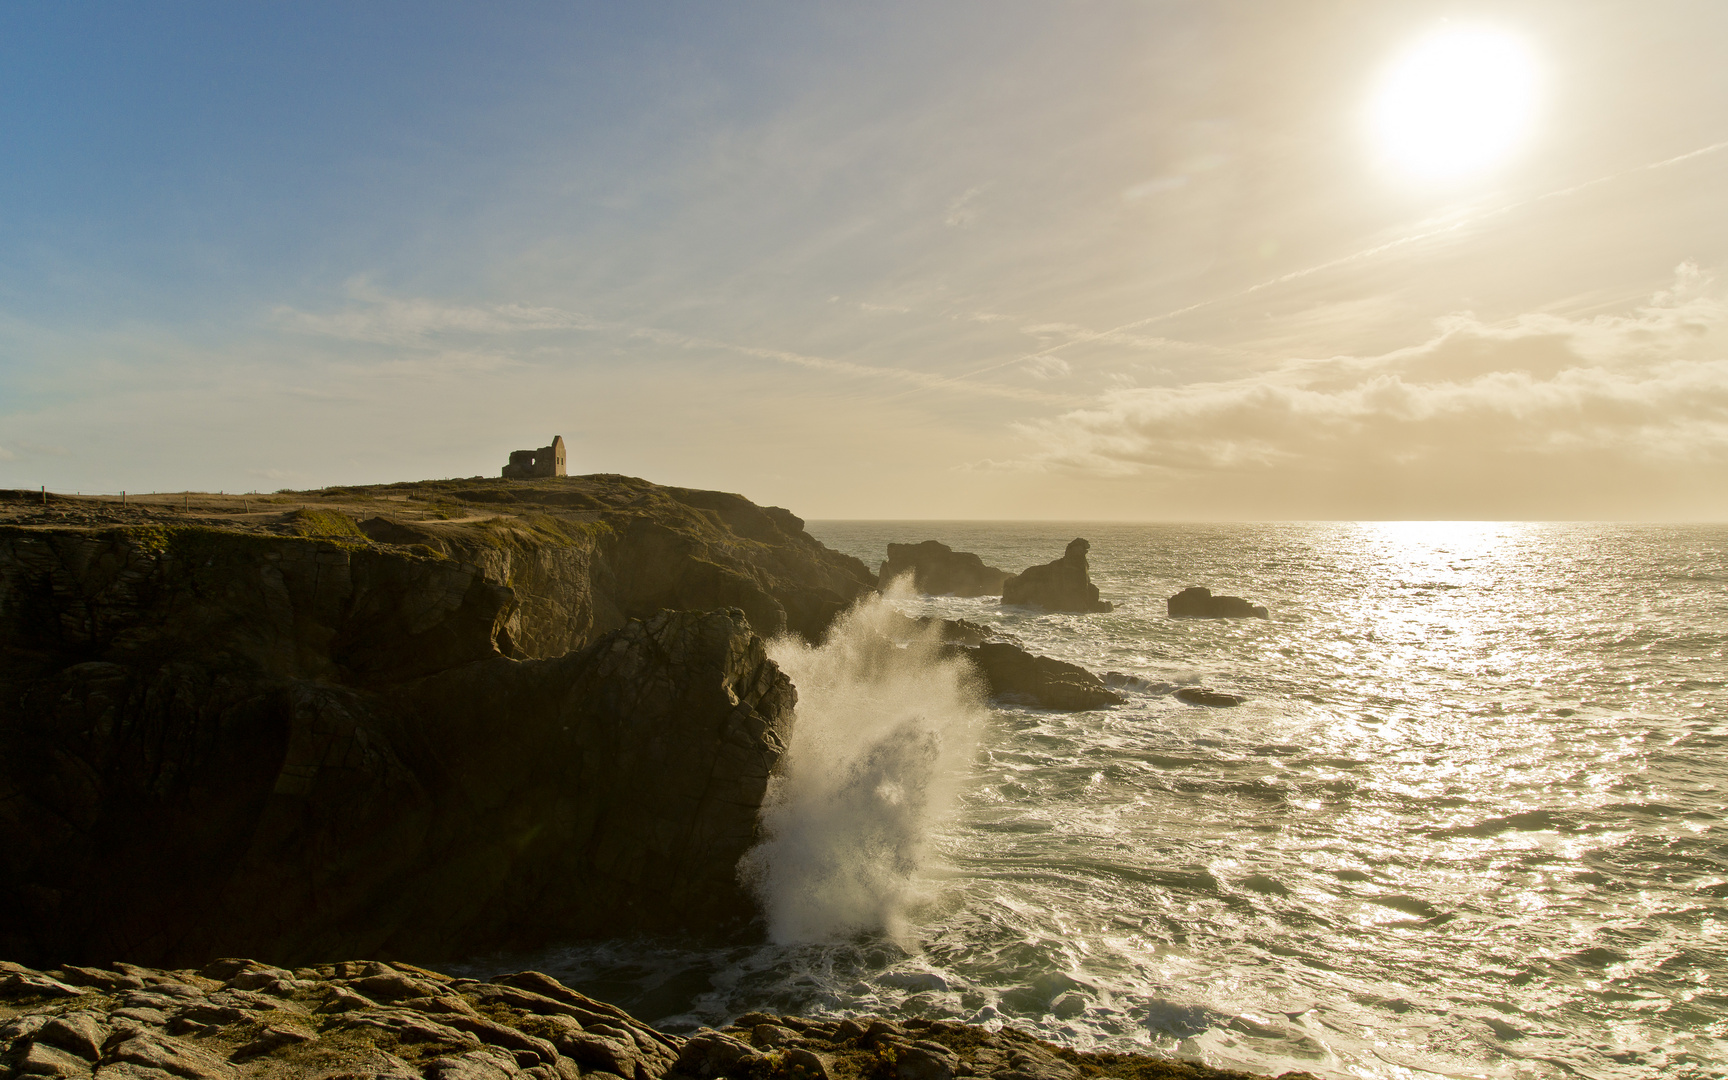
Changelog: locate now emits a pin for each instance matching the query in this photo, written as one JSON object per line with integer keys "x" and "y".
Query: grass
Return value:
{"x": 325, "y": 525}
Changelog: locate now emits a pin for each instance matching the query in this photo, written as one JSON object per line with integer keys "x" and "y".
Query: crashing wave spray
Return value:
{"x": 882, "y": 737}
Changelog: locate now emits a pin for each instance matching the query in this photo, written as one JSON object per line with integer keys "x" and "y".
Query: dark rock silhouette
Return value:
{"x": 1195, "y": 695}
{"x": 1197, "y": 602}
{"x": 939, "y": 570}
{"x": 1063, "y": 585}
{"x": 1012, "y": 672}
{"x": 176, "y": 812}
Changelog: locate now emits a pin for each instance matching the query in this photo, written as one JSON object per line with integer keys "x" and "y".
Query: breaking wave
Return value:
{"x": 881, "y": 739}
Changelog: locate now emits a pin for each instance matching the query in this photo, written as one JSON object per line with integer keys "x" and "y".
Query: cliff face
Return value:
{"x": 431, "y": 737}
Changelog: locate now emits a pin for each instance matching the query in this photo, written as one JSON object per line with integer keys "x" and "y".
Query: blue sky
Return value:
{"x": 1074, "y": 260}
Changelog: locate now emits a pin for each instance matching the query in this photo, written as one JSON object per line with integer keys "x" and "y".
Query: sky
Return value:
{"x": 998, "y": 260}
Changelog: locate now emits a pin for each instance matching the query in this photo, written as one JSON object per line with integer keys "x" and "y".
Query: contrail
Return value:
{"x": 1355, "y": 256}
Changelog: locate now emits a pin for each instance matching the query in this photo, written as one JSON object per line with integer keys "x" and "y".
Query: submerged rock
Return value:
{"x": 939, "y": 570}
{"x": 1063, "y": 585}
{"x": 243, "y": 1020}
{"x": 1196, "y": 695}
{"x": 1198, "y": 602}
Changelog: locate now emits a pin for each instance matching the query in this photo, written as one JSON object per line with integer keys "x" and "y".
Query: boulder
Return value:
{"x": 1199, "y": 603}
{"x": 1013, "y": 672}
{"x": 1063, "y": 585}
{"x": 939, "y": 570}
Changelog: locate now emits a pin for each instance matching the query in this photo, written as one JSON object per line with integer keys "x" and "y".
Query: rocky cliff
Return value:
{"x": 385, "y": 724}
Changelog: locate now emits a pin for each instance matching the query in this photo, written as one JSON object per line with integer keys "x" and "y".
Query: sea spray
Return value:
{"x": 883, "y": 734}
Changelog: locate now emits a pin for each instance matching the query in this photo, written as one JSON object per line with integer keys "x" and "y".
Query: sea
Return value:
{"x": 1469, "y": 820}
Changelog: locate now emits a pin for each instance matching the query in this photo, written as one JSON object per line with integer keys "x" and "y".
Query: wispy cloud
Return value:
{"x": 1475, "y": 400}
{"x": 373, "y": 317}
{"x": 379, "y": 318}
{"x": 1438, "y": 229}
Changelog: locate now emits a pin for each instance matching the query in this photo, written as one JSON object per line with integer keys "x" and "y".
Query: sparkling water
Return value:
{"x": 1469, "y": 821}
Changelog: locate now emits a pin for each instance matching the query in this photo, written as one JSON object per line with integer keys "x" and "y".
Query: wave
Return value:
{"x": 881, "y": 736}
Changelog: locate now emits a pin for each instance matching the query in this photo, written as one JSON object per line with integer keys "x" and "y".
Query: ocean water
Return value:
{"x": 1468, "y": 823}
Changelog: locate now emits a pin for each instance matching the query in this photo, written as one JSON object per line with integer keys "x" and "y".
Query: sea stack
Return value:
{"x": 1063, "y": 585}
{"x": 939, "y": 570}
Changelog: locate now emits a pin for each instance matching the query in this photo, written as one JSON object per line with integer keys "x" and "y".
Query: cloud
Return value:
{"x": 963, "y": 211}
{"x": 428, "y": 326}
{"x": 1047, "y": 367}
{"x": 395, "y": 320}
{"x": 1541, "y": 396}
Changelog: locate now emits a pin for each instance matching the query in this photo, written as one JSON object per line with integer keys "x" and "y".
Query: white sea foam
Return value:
{"x": 882, "y": 737}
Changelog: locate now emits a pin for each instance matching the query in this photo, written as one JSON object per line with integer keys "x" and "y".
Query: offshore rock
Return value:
{"x": 1014, "y": 673}
{"x": 1197, "y": 602}
{"x": 243, "y": 1020}
{"x": 939, "y": 570}
{"x": 172, "y": 809}
{"x": 1009, "y": 672}
{"x": 1063, "y": 585}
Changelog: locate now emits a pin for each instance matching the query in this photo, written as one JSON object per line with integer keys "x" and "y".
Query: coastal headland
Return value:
{"x": 415, "y": 721}
{"x": 410, "y": 723}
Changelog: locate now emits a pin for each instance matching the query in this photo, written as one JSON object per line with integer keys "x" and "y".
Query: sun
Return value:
{"x": 1455, "y": 104}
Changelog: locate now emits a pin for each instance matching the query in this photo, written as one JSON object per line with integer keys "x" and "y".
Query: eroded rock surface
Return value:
{"x": 243, "y": 1020}
{"x": 1063, "y": 585}
{"x": 939, "y": 570}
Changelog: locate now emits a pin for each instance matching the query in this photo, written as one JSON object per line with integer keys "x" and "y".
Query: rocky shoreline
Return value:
{"x": 244, "y": 1020}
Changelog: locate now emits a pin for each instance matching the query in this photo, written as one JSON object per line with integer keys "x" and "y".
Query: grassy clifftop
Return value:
{"x": 599, "y": 548}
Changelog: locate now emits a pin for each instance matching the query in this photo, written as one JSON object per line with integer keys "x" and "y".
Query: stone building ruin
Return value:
{"x": 546, "y": 461}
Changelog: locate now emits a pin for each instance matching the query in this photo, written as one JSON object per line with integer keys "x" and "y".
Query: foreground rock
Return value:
{"x": 1197, "y": 602}
{"x": 939, "y": 570}
{"x": 240, "y": 1020}
{"x": 1063, "y": 585}
{"x": 180, "y": 806}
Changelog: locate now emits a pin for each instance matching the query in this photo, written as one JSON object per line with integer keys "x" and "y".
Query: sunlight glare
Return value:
{"x": 1454, "y": 104}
